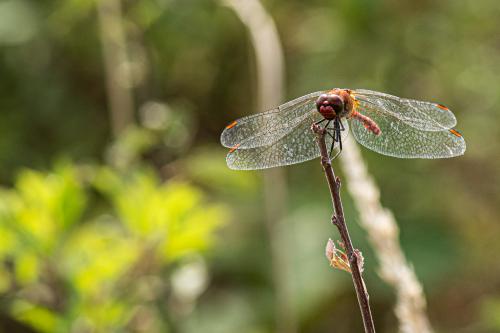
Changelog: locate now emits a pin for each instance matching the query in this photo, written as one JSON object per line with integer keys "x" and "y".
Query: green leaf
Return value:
{"x": 38, "y": 317}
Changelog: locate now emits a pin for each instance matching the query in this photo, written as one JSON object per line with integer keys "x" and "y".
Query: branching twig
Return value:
{"x": 339, "y": 222}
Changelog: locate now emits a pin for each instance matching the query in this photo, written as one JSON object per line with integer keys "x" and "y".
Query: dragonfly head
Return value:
{"x": 331, "y": 106}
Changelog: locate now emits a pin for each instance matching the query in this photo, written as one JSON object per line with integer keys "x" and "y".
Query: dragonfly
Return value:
{"x": 386, "y": 124}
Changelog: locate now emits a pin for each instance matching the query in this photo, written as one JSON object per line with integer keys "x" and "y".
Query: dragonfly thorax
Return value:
{"x": 332, "y": 105}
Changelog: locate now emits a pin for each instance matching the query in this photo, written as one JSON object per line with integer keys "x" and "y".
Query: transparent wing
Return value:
{"x": 399, "y": 139}
{"x": 265, "y": 128}
{"x": 425, "y": 116}
{"x": 297, "y": 146}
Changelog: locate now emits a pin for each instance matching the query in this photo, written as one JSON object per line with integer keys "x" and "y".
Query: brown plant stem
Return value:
{"x": 116, "y": 64}
{"x": 270, "y": 67}
{"x": 383, "y": 234}
{"x": 339, "y": 221}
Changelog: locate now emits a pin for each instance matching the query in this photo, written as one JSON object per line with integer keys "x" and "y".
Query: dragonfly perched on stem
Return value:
{"x": 387, "y": 124}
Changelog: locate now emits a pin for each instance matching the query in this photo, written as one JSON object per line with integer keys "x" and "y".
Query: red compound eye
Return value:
{"x": 330, "y": 105}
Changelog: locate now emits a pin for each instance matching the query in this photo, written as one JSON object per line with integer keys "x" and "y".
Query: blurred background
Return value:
{"x": 117, "y": 210}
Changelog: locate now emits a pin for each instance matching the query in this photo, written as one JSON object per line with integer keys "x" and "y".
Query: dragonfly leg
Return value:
{"x": 327, "y": 124}
{"x": 331, "y": 149}
{"x": 320, "y": 121}
{"x": 330, "y": 131}
{"x": 334, "y": 133}
{"x": 327, "y": 130}
{"x": 334, "y": 138}
{"x": 339, "y": 127}
{"x": 334, "y": 157}
{"x": 342, "y": 128}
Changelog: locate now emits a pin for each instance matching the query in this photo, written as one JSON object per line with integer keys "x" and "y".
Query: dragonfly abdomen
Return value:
{"x": 367, "y": 122}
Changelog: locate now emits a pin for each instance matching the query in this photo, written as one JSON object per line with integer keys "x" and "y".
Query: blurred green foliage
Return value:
{"x": 66, "y": 271}
{"x": 121, "y": 235}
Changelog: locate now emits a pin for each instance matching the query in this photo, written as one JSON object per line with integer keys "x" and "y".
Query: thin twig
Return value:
{"x": 383, "y": 234}
{"x": 339, "y": 222}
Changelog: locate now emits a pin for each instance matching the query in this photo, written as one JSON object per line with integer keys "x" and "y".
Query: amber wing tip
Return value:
{"x": 234, "y": 148}
{"x": 455, "y": 132}
{"x": 442, "y": 107}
